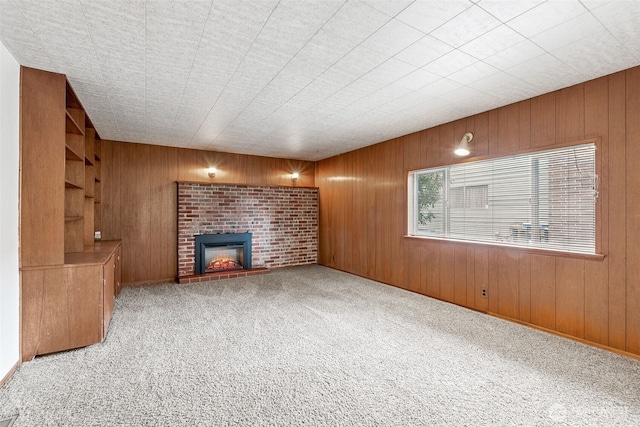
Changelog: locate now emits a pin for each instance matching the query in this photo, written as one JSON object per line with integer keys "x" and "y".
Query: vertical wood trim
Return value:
{"x": 507, "y": 283}
{"x": 543, "y": 120}
{"x": 447, "y": 272}
{"x": 596, "y": 315}
{"x": 481, "y": 277}
{"x": 471, "y": 278}
{"x": 494, "y": 131}
{"x": 633, "y": 208}
{"x": 143, "y": 230}
{"x": 493, "y": 288}
{"x": 169, "y": 216}
{"x": 433, "y": 269}
{"x": 570, "y": 296}
{"x": 524, "y": 291}
{"x": 460, "y": 281}
{"x": 447, "y": 143}
{"x": 480, "y": 143}
{"x": 596, "y": 327}
{"x": 570, "y": 114}
{"x": 543, "y": 291}
{"x": 413, "y": 262}
{"x": 617, "y": 211}
{"x": 524, "y": 129}
{"x": 129, "y": 209}
{"x": 508, "y": 128}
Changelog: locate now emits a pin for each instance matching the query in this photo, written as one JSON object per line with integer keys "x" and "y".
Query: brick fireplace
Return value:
{"x": 282, "y": 221}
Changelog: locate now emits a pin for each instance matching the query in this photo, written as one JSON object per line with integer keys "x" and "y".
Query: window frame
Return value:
{"x": 598, "y": 255}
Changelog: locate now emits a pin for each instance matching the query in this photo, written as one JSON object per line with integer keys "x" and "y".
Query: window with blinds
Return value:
{"x": 545, "y": 199}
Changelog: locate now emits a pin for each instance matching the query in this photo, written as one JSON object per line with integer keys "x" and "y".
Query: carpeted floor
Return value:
{"x": 313, "y": 346}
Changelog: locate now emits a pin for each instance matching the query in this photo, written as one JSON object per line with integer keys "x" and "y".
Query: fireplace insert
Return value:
{"x": 222, "y": 252}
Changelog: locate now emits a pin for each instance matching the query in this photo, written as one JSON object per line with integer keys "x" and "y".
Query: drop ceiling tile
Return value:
{"x": 424, "y": 51}
{"x": 312, "y": 60}
{"x": 507, "y": 10}
{"x": 65, "y": 29}
{"x": 427, "y": 16}
{"x": 356, "y": 90}
{"x": 88, "y": 88}
{"x": 290, "y": 30}
{"x": 389, "y": 71}
{"x": 130, "y": 136}
{"x": 174, "y": 29}
{"x": 546, "y": 16}
{"x": 130, "y": 110}
{"x": 545, "y": 71}
{"x": 36, "y": 58}
{"x": 472, "y": 73}
{"x": 466, "y": 26}
{"x": 23, "y": 43}
{"x": 126, "y": 40}
{"x": 354, "y": 22}
{"x": 620, "y": 18}
{"x": 328, "y": 47}
{"x": 281, "y": 89}
{"x": 359, "y": 62}
{"x": 597, "y": 55}
{"x": 389, "y": 7}
{"x": 440, "y": 87}
{"x": 412, "y": 99}
{"x": 492, "y": 42}
{"x": 450, "y": 63}
{"x": 86, "y": 73}
{"x": 393, "y": 37}
{"x": 514, "y": 55}
{"x": 568, "y": 32}
{"x": 382, "y": 97}
{"x": 59, "y": 18}
{"x": 504, "y": 86}
{"x": 417, "y": 79}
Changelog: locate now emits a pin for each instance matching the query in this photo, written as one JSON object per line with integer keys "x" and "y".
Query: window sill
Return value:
{"x": 515, "y": 248}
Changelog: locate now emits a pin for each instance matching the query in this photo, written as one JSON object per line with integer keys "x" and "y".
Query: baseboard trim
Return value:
{"x": 10, "y": 374}
{"x": 149, "y": 282}
{"x": 567, "y": 336}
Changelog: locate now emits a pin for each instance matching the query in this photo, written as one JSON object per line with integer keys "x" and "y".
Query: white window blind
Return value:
{"x": 545, "y": 199}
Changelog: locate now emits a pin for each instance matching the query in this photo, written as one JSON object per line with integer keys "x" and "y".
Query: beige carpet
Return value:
{"x": 313, "y": 346}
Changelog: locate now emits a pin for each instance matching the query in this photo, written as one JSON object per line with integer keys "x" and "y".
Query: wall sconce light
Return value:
{"x": 295, "y": 176}
{"x": 212, "y": 172}
{"x": 463, "y": 147}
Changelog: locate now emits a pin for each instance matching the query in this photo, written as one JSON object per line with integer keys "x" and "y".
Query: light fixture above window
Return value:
{"x": 212, "y": 172}
{"x": 463, "y": 147}
{"x": 295, "y": 176}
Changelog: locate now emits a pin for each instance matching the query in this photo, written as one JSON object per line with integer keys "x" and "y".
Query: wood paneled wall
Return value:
{"x": 363, "y": 198}
{"x": 139, "y": 197}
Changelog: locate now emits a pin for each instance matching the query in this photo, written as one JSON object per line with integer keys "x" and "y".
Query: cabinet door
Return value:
{"x": 108, "y": 294}
{"x": 61, "y": 309}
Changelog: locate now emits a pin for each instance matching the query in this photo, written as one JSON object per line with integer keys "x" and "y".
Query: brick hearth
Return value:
{"x": 283, "y": 221}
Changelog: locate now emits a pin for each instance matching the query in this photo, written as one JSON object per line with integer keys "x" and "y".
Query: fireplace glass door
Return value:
{"x": 222, "y": 258}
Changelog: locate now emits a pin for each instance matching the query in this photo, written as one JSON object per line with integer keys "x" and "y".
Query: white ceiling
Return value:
{"x": 308, "y": 79}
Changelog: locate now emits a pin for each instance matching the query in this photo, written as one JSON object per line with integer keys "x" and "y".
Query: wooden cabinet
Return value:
{"x": 71, "y": 305}
{"x": 68, "y": 281}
